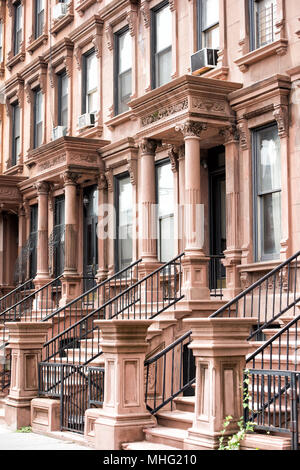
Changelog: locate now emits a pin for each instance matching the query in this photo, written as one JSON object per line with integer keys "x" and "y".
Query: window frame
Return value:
{"x": 253, "y": 37}
{"x": 37, "y": 92}
{"x": 200, "y": 30}
{"x": 117, "y": 179}
{"x": 117, "y": 103}
{"x": 154, "y": 68}
{"x": 14, "y": 135}
{"x": 37, "y": 31}
{"x": 257, "y": 221}
{"x": 17, "y": 45}
{"x": 60, "y": 109}
{"x": 85, "y": 95}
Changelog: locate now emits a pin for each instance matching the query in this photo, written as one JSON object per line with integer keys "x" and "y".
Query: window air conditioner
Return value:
{"x": 86, "y": 120}
{"x": 204, "y": 60}
{"x": 58, "y": 132}
{"x": 59, "y": 10}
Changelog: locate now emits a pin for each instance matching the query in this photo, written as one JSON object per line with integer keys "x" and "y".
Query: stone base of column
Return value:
{"x": 70, "y": 288}
{"x": 195, "y": 277}
{"x": 198, "y": 441}
{"x": 233, "y": 282}
{"x": 17, "y": 412}
{"x": 112, "y": 432}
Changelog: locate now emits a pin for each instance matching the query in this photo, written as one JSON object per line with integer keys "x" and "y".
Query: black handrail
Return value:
{"x": 132, "y": 302}
{"x": 216, "y": 269}
{"x": 12, "y": 295}
{"x": 173, "y": 361}
{"x": 263, "y": 306}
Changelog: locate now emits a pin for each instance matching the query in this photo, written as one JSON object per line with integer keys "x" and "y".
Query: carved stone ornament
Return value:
{"x": 110, "y": 179}
{"x": 191, "y": 128}
{"x": 243, "y": 133}
{"x": 145, "y": 13}
{"x": 78, "y": 55}
{"x": 246, "y": 280}
{"x": 148, "y": 146}
{"x": 97, "y": 45}
{"x": 173, "y": 156}
{"x": 102, "y": 182}
{"x": 132, "y": 22}
{"x": 281, "y": 116}
{"x": 68, "y": 63}
{"x": 109, "y": 37}
{"x": 173, "y": 5}
{"x": 132, "y": 170}
{"x": 230, "y": 134}
{"x": 42, "y": 187}
{"x": 29, "y": 94}
{"x": 51, "y": 76}
{"x": 70, "y": 178}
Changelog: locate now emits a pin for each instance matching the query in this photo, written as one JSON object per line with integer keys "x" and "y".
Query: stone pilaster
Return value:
{"x": 42, "y": 241}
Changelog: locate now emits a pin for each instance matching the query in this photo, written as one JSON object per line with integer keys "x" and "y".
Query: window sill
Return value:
{"x": 84, "y": 5}
{"x": 91, "y": 132}
{"x": 14, "y": 170}
{"x": 120, "y": 119}
{"x": 277, "y": 47}
{"x": 36, "y": 43}
{"x": 220, "y": 73}
{"x": 259, "y": 266}
{"x": 58, "y": 25}
{"x": 14, "y": 59}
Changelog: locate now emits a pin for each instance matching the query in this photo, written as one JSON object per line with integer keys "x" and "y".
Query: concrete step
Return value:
{"x": 166, "y": 436}
{"x": 146, "y": 446}
{"x": 175, "y": 419}
{"x": 185, "y": 404}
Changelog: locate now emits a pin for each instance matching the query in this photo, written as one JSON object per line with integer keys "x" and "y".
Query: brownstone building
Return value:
{"x": 149, "y": 158}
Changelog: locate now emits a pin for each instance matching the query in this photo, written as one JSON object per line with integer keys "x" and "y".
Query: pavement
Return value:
{"x": 11, "y": 440}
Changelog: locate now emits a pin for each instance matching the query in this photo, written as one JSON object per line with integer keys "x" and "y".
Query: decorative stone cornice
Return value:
{"x": 281, "y": 115}
{"x": 230, "y": 134}
{"x": 148, "y": 146}
{"x": 165, "y": 112}
{"x": 191, "y": 128}
{"x": 70, "y": 178}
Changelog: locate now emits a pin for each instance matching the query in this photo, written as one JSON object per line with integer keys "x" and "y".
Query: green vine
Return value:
{"x": 24, "y": 429}
{"x": 234, "y": 442}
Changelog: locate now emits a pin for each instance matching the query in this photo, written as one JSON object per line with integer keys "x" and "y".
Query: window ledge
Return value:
{"x": 36, "y": 43}
{"x": 259, "y": 266}
{"x": 277, "y": 47}
{"x": 91, "y": 132}
{"x": 120, "y": 119}
{"x": 14, "y": 170}
{"x": 219, "y": 72}
{"x": 14, "y": 59}
{"x": 84, "y": 5}
{"x": 58, "y": 25}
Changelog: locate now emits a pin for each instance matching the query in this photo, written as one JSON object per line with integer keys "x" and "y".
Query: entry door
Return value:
{"x": 123, "y": 204}
{"x": 217, "y": 219}
{"x": 90, "y": 245}
{"x": 58, "y": 236}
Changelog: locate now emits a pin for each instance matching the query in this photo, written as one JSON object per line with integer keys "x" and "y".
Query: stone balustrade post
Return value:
{"x": 26, "y": 341}
{"x": 124, "y": 414}
{"x": 220, "y": 347}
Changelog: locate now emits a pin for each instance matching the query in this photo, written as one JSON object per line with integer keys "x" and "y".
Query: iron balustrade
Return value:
{"x": 35, "y": 306}
{"x": 273, "y": 401}
{"x": 169, "y": 373}
{"x": 144, "y": 299}
{"x": 268, "y": 298}
{"x": 77, "y": 387}
{"x": 217, "y": 276}
{"x": 87, "y": 302}
{"x": 5, "y": 372}
{"x": 15, "y": 295}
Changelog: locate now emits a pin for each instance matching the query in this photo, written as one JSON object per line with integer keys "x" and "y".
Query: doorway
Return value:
{"x": 90, "y": 245}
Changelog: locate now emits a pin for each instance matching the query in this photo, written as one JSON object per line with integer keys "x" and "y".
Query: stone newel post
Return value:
{"x": 195, "y": 263}
{"x": 25, "y": 341}
{"x": 220, "y": 346}
{"x": 124, "y": 414}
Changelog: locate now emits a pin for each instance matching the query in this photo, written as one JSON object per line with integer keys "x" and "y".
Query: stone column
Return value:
{"x": 70, "y": 281}
{"x": 25, "y": 341}
{"x": 195, "y": 263}
{"x": 147, "y": 207}
{"x": 233, "y": 252}
{"x": 124, "y": 414}
{"x": 42, "y": 275}
{"x": 220, "y": 347}
{"x": 101, "y": 235}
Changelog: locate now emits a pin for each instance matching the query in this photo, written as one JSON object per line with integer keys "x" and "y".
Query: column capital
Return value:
{"x": 191, "y": 128}
{"x": 42, "y": 187}
{"x": 148, "y": 146}
{"x": 70, "y": 178}
{"x": 230, "y": 134}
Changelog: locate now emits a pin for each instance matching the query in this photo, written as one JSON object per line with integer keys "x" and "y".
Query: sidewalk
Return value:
{"x": 10, "y": 440}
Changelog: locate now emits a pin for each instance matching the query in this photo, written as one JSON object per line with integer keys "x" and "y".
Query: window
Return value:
{"x": 208, "y": 24}
{"x": 18, "y": 27}
{"x": 165, "y": 211}
{"x": 267, "y": 192}
{"x": 262, "y": 22}
{"x": 16, "y": 140}
{"x": 90, "y": 84}
{"x": 123, "y": 71}
{"x": 39, "y": 17}
{"x": 161, "y": 45}
{"x": 124, "y": 222}
{"x": 1, "y": 41}
{"x": 63, "y": 94}
{"x": 38, "y": 118}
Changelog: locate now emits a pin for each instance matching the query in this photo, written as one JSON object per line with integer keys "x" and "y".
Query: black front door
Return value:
{"x": 90, "y": 245}
{"x": 217, "y": 218}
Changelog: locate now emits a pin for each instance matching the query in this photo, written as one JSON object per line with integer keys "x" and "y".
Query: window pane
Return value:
{"x": 166, "y": 229}
{"x": 125, "y": 222}
{"x": 271, "y": 224}
{"x": 212, "y": 38}
{"x": 268, "y": 160}
{"x": 163, "y": 29}
{"x": 92, "y": 102}
{"x": 164, "y": 67}
{"x": 125, "y": 52}
{"x": 165, "y": 201}
{"x": 125, "y": 88}
{"x": 265, "y": 19}
{"x": 38, "y": 118}
{"x": 63, "y": 100}
{"x": 209, "y": 13}
{"x": 91, "y": 72}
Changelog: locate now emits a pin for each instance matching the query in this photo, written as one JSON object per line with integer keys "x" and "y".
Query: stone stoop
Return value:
{"x": 258, "y": 441}
{"x": 2, "y": 412}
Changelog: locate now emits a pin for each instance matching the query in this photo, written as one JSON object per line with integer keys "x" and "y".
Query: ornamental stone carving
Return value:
{"x": 42, "y": 187}
{"x": 230, "y": 134}
{"x": 132, "y": 22}
{"x": 173, "y": 156}
{"x": 148, "y": 146}
{"x": 146, "y": 13}
{"x": 109, "y": 37}
{"x": 243, "y": 134}
{"x": 132, "y": 170}
{"x": 208, "y": 106}
{"x": 191, "y": 128}
{"x": 110, "y": 179}
{"x": 164, "y": 112}
{"x": 70, "y": 178}
{"x": 281, "y": 116}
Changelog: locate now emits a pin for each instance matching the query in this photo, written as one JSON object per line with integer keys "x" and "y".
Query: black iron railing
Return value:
{"x": 274, "y": 399}
{"x": 89, "y": 301}
{"x": 35, "y": 306}
{"x": 217, "y": 275}
{"x": 77, "y": 387}
{"x": 14, "y": 296}
{"x": 146, "y": 298}
{"x": 5, "y": 372}
{"x": 268, "y": 298}
{"x": 169, "y": 373}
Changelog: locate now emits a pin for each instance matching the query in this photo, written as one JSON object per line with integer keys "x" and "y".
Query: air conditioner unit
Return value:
{"x": 204, "y": 60}
{"x": 58, "y": 132}
{"x": 86, "y": 120}
{"x": 59, "y": 10}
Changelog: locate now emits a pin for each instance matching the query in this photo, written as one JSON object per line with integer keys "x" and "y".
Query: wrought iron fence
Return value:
{"x": 14, "y": 296}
